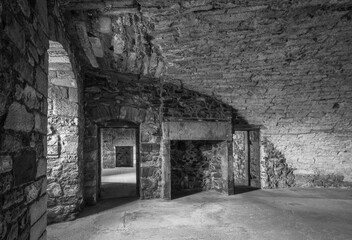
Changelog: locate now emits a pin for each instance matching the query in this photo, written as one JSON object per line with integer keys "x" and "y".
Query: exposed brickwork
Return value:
{"x": 284, "y": 65}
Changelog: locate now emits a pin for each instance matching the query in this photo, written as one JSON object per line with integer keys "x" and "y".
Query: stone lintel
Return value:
{"x": 197, "y": 130}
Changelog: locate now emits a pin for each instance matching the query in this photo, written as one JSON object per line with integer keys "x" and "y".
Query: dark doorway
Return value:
{"x": 119, "y": 154}
{"x": 246, "y": 155}
{"x": 124, "y": 156}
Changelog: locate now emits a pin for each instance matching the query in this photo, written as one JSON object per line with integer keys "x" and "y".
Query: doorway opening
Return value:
{"x": 246, "y": 160}
{"x": 119, "y": 162}
{"x": 64, "y": 137}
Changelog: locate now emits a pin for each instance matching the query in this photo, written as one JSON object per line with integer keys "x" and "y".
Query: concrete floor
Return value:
{"x": 118, "y": 182}
{"x": 262, "y": 214}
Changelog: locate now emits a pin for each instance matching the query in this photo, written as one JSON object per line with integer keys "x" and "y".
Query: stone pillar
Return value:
{"x": 166, "y": 169}
{"x": 254, "y": 158}
{"x": 240, "y": 158}
{"x": 230, "y": 179}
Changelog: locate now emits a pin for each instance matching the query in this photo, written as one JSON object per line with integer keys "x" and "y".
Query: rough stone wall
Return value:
{"x": 90, "y": 156}
{"x": 213, "y": 153}
{"x": 284, "y": 65}
{"x": 117, "y": 96}
{"x": 150, "y": 170}
{"x": 23, "y": 109}
{"x": 117, "y": 40}
{"x": 275, "y": 170}
{"x": 65, "y": 72}
{"x": 254, "y": 158}
{"x": 240, "y": 158}
{"x": 64, "y": 172}
{"x": 108, "y": 154}
{"x": 182, "y": 104}
{"x": 246, "y": 155}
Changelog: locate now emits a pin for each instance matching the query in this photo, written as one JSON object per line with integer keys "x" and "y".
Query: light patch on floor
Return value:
{"x": 263, "y": 214}
{"x": 118, "y": 182}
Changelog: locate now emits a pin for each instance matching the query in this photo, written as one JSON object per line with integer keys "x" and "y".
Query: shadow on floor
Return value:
{"x": 184, "y": 193}
{"x": 106, "y": 204}
{"x": 118, "y": 190}
{"x": 244, "y": 189}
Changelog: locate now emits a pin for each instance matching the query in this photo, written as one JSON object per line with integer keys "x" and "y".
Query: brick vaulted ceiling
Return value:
{"x": 239, "y": 51}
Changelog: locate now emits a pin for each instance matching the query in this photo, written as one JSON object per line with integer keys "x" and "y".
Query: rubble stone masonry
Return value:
{"x": 285, "y": 66}
{"x": 23, "y": 109}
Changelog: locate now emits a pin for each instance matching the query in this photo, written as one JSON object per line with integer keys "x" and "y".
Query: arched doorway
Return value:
{"x": 64, "y": 149}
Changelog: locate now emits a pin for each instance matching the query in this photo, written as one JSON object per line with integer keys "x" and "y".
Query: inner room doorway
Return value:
{"x": 119, "y": 162}
{"x": 246, "y": 160}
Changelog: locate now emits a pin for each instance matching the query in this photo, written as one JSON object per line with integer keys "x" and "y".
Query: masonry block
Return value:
{"x": 19, "y": 119}
{"x": 24, "y": 167}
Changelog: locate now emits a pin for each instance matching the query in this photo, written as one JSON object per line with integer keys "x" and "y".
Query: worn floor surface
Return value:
{"x": 262, "y": 214}
{"x": 118, "y": 182}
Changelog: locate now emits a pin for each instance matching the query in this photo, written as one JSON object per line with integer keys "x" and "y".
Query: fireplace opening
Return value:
{"x": 196, "y": 166}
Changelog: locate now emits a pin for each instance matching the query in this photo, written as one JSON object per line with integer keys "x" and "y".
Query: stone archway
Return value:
{"x": 64, "y": 153}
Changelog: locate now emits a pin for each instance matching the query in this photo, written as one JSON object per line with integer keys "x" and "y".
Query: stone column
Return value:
{"x": 166, "y": 169}
{"x": 231, "y": 182}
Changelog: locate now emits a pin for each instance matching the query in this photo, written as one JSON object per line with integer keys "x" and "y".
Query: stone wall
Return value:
{"x": 116, "y": 40}
{"x": 275, "y": 170}
{"x": 284, "y": 65}
{"x": 240, "y": 158}
{"x": 182, "y": 104}
{"x": 23, "y": 115}
{"x": 254, "y": 158}
{"x": 116, "y": 97}
{"x": 143, "y": 101}
{"x": 23, "y": 110}
{"x": 64, "y": 153}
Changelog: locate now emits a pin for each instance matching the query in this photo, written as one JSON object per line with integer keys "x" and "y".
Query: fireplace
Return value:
{"x": 196, "y": 166}
{"x": 196, "y": 156}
